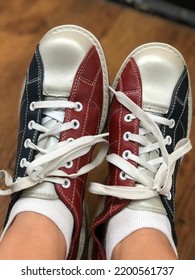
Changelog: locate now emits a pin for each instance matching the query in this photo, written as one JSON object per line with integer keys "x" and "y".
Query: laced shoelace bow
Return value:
{"x": 45, "y": 166}
{"x": 162, "y": 166}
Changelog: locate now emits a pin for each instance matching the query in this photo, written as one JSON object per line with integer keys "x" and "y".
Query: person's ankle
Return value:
{"x": 145, "y": 239}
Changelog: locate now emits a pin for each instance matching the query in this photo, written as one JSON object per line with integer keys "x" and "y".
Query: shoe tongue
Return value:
{"x": 51, "y": 141}
{"x": 55, "y": 94}
{"x": 155, "y": 99}
{"x": 147, "y": 157}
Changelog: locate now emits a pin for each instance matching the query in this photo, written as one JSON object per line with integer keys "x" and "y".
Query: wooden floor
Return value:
{"x": 120, "y": 30}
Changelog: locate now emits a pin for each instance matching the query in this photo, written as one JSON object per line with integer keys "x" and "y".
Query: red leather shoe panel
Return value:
{"x": 88, "y": 90}
{"x": 130, "y": 83}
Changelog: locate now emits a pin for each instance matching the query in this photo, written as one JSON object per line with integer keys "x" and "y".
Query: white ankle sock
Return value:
{"x": 55, "y": 210}
{"x": 127, "y": 221}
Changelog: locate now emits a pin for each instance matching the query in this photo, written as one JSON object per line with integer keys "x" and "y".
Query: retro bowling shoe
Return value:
{"x": 149, "y": 125}
{"x": 63, "y": 111}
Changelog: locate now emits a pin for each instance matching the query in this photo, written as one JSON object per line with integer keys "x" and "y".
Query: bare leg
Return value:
{"x": 32, "y": 236}
{"x": 144, "y": 244}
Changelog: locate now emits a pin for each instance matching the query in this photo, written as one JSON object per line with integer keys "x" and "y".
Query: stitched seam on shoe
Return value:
{"x": 84, "y": 125}
{"x": 173, "y": 107}
{"x": 25, "y": 118}
{"x": 86, "y": 115}
{"x": 39, "y": 97}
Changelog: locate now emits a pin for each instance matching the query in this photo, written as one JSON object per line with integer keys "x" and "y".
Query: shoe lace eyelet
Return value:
{"x": 23, "y": 162}
{"x": 126, "y": 154}
{"x": 70, "y": 139}
{"x": 66, "y": 184}
{"x": 27, "y": 142}
{"x": 169, "y": 196}
{"x": 122, "y": 175}
{"x": 32, "y": 106}
{"x": 128, "y": 118}
{"x": 76, "y": 124}
{"x": 172, "y": 123}
{"x": 68, "y": 164}
{"x": 30, "y": 125}
{"x": 126, "y": 136}
{"x": 169, "y": 140}
{"x": 18, "y": 179}
{"x": 79, "y": 107}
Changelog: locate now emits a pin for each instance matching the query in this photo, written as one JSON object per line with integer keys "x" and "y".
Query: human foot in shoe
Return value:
{"x": 63, "y": 111}
{"x": 149, "y": 126}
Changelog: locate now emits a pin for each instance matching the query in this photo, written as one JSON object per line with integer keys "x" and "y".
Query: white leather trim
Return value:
{"x": 160, "y": 67}
{"x": 62, "y": 53}
{"x": 62, "y": 50}
{"x": 153, "y": 204}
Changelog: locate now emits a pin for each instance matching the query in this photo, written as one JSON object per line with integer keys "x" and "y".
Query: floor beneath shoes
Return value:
{"x": 120, "y": 29}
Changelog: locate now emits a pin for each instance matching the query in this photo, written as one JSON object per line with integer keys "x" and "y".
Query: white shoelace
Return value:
{"x": 151, "y": 141}
{"x": 48, "y": 160}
